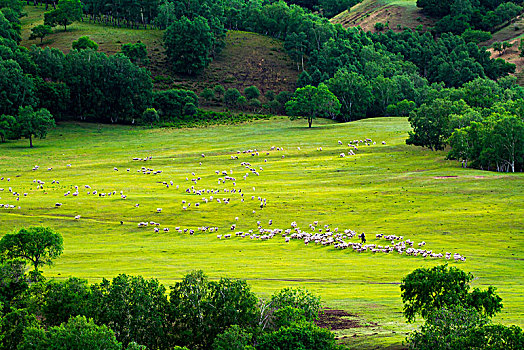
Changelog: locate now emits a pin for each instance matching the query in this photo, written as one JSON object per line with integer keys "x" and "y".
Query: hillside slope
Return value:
{"x": 248, "y": 58}
{"x": 399, "y": 14}
{"x": 405, "y": 14}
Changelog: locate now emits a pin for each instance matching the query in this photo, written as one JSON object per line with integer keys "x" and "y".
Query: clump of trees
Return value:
{"x": 131, "y": 312}
{"x": 482, "y": 122}
{"x": 455, "y": 317}
{"x": 457, "y": 16}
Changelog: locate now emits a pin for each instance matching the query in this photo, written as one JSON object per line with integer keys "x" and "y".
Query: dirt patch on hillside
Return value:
{"x": 333, "y": 319}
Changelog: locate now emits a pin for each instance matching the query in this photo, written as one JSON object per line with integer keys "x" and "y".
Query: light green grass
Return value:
{"x": 383, "y": 189}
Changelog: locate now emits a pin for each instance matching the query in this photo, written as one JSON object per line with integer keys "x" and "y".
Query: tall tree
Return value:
{"x": 31, "y": 123}
{"x": 67, "y": 12}
{"x": 7, "y": 127}
{"x": 312, "y": 102}
{"x": 354, "y": 93}
{"x": 188, "y": 44}
{"x": 16, "y": 88}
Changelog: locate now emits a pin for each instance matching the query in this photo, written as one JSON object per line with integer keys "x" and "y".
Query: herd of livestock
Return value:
{"x": 197, "y": 196}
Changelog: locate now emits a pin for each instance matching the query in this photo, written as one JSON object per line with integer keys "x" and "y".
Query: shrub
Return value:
{"x": 298, "y": 336}
{"x": 251, "y": 92}
{"x": 170, "y": 103}
{"x": 84, "y": 43}
{"x": 231, "y": 97}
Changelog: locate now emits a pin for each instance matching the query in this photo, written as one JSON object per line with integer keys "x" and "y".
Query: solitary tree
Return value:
{"x": 68, "y": 11}
{"x": 32, "y": 123}
{"x": 311, "y": 102}
{"x": 84, "y": 43}
{"x": 38, "y": 245}
{"x": 40, "y": 31}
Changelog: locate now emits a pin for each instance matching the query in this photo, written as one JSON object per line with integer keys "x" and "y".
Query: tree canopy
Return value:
{"x": 311, "y": 102}
{"x": 38, "y": 245}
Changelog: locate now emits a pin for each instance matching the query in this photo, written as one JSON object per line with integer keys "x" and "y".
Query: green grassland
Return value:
{"x": 247, "y": 59}
{"x": 391, "y": 189}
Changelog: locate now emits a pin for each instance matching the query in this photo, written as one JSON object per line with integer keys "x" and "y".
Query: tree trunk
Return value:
{"x": 30, "y": 141}
{"x": 310, "y": 121}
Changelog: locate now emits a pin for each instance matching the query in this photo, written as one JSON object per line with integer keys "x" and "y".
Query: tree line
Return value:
{"x": 131, "y": 312}
{"x": 134, "y": 313}
{"x": 458, "y": 16}
{"x": 482, "y": 122}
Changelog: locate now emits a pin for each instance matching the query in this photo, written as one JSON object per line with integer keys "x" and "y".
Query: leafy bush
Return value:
{"x": 78, "y": 333}
{"x": 84, "y": 43}
{"x": 170, "y": 104}
{"x": 302, "y": 335}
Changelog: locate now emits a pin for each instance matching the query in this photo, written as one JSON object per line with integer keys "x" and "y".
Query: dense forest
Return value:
{"x": 131, "y": 312}
{"x": 364, "y": 74}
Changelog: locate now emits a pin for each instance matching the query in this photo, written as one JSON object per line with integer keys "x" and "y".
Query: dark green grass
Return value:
{"x": 392, "y": 189}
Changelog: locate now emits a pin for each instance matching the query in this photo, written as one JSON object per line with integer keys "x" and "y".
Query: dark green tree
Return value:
{"x": 134, "y": 308}
{"x": 38, "y": 245}
{"x": 219, "y": 91}
{"x": 31, "y": 123}
{"x": 430, "y": 123}
{"x": 67, "y": 12}
{"x": 13, "y": 282}
{"x": 13, "y": 325}
{"x": 302, "y": 335}
{"x": 207, "y": 94}
{"x": 16, "y": 87}
{"x": 200, "y": 310}
{"x": 251, "y": 92}
{"x": 40, "y": 31}
{"x": 7, "y": 127}
{"x": 231, "y": 97}
{"x": 64, "y": 300}
{"x": 446, "y": 327}
{"x": 188, "y": 45}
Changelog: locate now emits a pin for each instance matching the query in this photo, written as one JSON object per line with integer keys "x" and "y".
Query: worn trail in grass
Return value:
{"x": 390, "y": 189}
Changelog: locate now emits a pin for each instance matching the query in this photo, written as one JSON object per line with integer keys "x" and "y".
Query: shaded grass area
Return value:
{"x": 391, "y": 189}
{"x": 248, "y": 58}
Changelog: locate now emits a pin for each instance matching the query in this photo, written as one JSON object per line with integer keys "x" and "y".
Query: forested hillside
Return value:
{"x": 343, "y": 74}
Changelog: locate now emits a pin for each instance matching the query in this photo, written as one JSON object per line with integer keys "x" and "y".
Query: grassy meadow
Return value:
{"x": 391, "y": 189}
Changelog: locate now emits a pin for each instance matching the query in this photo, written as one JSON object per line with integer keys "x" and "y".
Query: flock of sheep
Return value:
{"x": 229, "y": 191}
